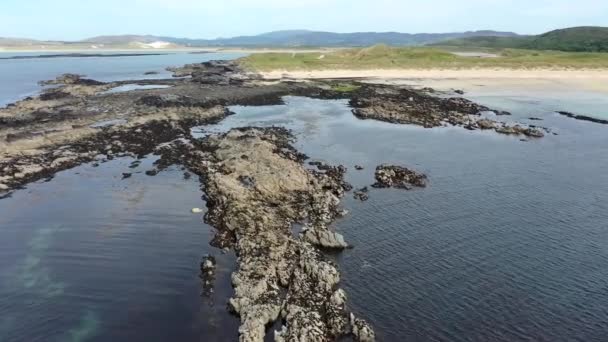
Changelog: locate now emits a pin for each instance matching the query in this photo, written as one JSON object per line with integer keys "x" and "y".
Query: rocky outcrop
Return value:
{"x": 361, "y": 194}
{"x": 395, "y": 176}
{"x": 280, "y": 276}
{"x": 583, "y": 117}
{"x": 214, "y": 72}
{"x": 519, "y": 130}
{"x": 408, "y": 106}
{"x": 71, "y": 79}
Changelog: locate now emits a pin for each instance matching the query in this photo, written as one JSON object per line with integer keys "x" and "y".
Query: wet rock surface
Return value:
{"x": 583, "y": 117}
{"x": 408, "y": 106}
{"x": 400, "y": 177}
{"x": 280, "y": 277}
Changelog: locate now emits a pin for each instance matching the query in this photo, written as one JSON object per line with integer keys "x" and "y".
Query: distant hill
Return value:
{"x": 575, "y": 39}
{"x": 124, "y": 39}
{"x": 302, "y": 38}
{"x": 592, "y": 39}
{"x": 24, "y": 42}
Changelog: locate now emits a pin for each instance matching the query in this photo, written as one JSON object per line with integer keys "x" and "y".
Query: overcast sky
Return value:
{"x": 77, "y": 19}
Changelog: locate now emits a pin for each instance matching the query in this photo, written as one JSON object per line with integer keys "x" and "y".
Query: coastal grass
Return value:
{"x": 385, "y": 57}
{"x": 345, "y": 87}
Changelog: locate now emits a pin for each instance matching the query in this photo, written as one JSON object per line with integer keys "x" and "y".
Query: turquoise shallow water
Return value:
{"x": 508, "y": 242}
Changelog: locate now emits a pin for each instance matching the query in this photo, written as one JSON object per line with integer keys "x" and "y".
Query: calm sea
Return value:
{"x": 508, "y": 243}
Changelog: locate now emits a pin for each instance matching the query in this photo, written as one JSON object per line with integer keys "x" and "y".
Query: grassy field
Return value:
{"x": 384, "y": 57}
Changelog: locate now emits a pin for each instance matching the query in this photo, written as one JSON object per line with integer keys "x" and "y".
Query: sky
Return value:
{"x": 79, "y": 19}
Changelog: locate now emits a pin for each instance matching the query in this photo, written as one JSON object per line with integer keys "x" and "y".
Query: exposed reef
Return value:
{"x": 400, "y": 177}
{"x": 255, "y": 203}
{"x": 583, "y": 117}
{"x": 266, "y": 205}
{"x": 408, "y": 106}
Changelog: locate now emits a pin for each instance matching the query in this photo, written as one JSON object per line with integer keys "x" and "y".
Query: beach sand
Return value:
{"x": 593, "y": 80}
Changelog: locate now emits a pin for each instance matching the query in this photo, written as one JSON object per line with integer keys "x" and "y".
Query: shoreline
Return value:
{"x": 169, "y": 50}
{"x": 476, "y": 73}
{"x": 466, "y": 79}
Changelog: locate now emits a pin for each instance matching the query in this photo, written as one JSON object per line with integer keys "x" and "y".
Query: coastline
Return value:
{"x": 593, "y": 80}
{"x": 499, "y": 73}
{"x": 169, "y": 50}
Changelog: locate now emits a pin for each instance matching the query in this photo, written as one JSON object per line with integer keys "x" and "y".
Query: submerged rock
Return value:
{"x": 583, "y": 117}
{"x": 207, "y": 274}
{"x": 361, "y": 194}
{"x": 398, "y": 177}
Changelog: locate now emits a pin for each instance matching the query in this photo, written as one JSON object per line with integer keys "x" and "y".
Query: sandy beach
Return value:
{"x": 595, "y": 80}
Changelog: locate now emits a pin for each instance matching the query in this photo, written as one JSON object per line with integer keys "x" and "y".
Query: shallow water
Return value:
{"x": 20, "y": 76}
{"x": 91, "y": 257}
{"x": 130, "y": 87}
{"x": 508, "y": 242}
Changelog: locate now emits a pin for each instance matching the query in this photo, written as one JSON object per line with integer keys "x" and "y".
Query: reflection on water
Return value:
{"x": 130, "y": 87}
{"x": 33, "y": 274}
{"x": 86, "y": 329}
{"x": 91, "y": 257}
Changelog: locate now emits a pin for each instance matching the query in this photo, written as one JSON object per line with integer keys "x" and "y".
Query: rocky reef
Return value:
{"x": 400, "y": 177}
{"x": 257, "y": 191}
{"x": 408, "y": 106}
{"x": 583, "y": 117}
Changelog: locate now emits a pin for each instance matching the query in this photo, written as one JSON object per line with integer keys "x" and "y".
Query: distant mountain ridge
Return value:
{"x": 574, "y": 39}
{"x": 303, "y": 38}
{"x": 594, "y": 39}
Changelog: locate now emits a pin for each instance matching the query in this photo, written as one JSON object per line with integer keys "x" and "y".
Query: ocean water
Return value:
{"x": 509, "y": 242}
{"x": 20, "y": 77}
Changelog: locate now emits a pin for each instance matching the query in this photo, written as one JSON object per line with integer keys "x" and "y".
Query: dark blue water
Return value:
{"x": 19, "y": 77}
{"x": 91, "y": 257}
{"x": 508, "y": 243}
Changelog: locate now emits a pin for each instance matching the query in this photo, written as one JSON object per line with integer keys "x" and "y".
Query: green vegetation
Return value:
{"x": 576, "y": 39}
{"x": 385, "y": 57}
{"x": 345, "y": 87}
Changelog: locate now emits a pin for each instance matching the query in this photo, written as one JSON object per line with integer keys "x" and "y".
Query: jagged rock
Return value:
{"x": 253, "y": 202}
{"x": 362, "y": 331}
{"x": 517, "y": 130}
{"x": 398, "y": 177}
{"x": 325, "y": 238}
{"x": 486, "y": 124}
{"x": 71, "y": 79}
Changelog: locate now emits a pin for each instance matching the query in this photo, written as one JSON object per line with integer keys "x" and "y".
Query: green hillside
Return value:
{"x": 576, "y": 39}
